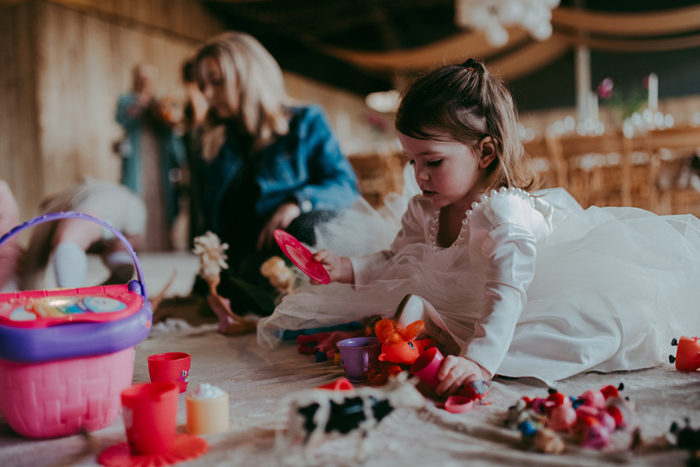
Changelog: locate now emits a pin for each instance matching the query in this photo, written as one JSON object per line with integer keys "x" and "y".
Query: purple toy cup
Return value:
{"x": 426, "y": 367}
{"x": 358, "y": 355}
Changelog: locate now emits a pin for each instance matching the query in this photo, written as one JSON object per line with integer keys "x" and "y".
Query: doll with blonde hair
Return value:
{"x": 507, "y": 280}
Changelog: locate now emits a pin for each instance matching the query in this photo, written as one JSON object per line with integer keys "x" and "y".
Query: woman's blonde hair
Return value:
{"x": 253, "y": 80}
{"x": 465, "y": 103}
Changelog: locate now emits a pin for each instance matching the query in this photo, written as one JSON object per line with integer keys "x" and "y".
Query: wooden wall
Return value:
{"x": 20, "y": 159}
{"x": 65, "y": 63}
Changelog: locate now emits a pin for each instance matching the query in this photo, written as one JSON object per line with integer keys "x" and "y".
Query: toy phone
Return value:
{"x": 43, "y": 325}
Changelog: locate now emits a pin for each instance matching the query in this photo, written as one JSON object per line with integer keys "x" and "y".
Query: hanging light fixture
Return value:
{"x": 384, "y": 101}
{"x": 493, "y": 16}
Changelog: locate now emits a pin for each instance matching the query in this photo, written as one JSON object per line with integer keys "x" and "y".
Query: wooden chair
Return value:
{"x": 668, "y": 148}
{"x": 379, "y": 175}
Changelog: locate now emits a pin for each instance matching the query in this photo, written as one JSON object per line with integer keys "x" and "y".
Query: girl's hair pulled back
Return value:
{"x": 253, "y": 81}
{"x": 466, "y": 103}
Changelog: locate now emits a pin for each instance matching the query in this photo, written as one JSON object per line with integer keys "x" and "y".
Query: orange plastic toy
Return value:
{"x": 688, "y": 354}
{"x": 399, "y": 347}
{"x": 399, "y": 344}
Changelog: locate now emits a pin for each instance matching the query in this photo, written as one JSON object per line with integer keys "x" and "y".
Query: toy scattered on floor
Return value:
{"x": 207, "y": 410}
{"x": 591, "y": 418}
{"x": 82, "y": 340}
{"x": 399, "y": 348}
{"x": 340, "y": 384}
{"x": 171, "y": 367}
{"x": 688, "y": 438}
{"x": 318, "y": 414}
{"x": 150, "y": 422}
{"x": 426, "y": 367}
{"x": 688, "y": 354}
{"x": 324, "y": 345}
{"x": 279, "y": 274}
{"x": 358, "y": 356}
{"x": 212, "y": 259}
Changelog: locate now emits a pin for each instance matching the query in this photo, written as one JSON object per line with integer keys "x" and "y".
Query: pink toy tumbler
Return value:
{"x": 170, "y": 367}
{"x": 150, "y": 417}
{"x": 426, "y": 367}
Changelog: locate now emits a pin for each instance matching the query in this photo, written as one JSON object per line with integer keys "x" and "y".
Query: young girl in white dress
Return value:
{"x": 508, "y": 282}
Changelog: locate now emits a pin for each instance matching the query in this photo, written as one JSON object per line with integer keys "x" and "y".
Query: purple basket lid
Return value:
{"x": 135, "y": 286}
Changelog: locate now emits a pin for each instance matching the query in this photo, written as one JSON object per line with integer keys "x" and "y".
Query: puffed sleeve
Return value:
{"x": 511, "y": 251}
{"x": 412, "y": 231}
{"x": 505, "y": 229}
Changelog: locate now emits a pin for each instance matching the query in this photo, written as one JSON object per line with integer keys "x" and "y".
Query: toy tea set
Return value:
{"x": 67, "y": 361}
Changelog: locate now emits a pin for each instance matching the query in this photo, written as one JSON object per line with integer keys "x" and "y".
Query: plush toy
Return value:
{"x": 399, "y": 348}
{"x": 212, "y": 259}
{"x": 591, "y": 418}
{"x": 688, "y": 354}
{"x": 279, "y": 274}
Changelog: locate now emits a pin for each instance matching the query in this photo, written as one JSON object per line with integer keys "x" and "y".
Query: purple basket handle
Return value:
{"x": 139, "y": 287}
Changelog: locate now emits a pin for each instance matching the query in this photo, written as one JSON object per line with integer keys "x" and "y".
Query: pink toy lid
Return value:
{"x": 301, "y": 256}
{"x": 40, "y": 309}
{"x": 185, "y": 447}
{"x": 341, "y": 384}
{"x": 458, "y": 404}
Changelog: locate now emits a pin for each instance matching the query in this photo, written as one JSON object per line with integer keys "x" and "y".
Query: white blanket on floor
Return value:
{"x": 256, "y": 379}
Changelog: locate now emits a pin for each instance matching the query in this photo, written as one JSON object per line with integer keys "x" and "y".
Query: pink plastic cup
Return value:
{"x": 426, "y": 366}
{"x": 150, "y": 417}
{"x": 170, "y": 367}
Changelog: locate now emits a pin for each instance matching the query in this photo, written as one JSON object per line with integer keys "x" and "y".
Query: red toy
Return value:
{"x": 399, "y": 347}
{"x": 688, "y": 354}
{"x": 324, "y": 344}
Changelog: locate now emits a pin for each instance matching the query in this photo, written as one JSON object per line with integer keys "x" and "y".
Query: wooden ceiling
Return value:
{"x": 297, "y": 31}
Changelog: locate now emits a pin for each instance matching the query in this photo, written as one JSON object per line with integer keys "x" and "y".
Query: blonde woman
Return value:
{"x": 264, "y": 164}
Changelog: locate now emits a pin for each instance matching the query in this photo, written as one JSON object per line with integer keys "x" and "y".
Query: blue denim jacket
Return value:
{"x": 305, "y": 165}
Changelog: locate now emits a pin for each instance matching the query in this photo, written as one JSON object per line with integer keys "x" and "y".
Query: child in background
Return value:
{"x": 9, "y": 251}
{"x": 506, "y": 281}
{"x": 70, "y": 239}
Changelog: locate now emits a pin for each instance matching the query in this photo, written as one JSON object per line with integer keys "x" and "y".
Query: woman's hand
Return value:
{"x": 339, "y": 268}
{"x": 281, "y": 219}
{"x": 455, "y": 372}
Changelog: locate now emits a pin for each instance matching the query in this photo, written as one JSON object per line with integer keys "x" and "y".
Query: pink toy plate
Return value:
{"x": 301, "y": 256}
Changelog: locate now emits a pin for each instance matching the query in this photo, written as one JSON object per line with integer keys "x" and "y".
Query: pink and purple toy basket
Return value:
{"x": 66, "y": 354}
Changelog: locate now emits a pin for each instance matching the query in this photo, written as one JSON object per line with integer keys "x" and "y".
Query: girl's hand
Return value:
{"x": 455, "y": 372}
{"x": 281, "y": 219}
{"x": 339, "y": 268}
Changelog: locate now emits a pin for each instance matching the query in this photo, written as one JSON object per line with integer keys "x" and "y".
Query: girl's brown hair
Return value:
{"x": 253, "y": 84}
{"x": 465, "y": 103}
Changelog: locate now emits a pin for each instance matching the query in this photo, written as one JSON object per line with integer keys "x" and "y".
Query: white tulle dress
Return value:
{"x": 534, "y": 285}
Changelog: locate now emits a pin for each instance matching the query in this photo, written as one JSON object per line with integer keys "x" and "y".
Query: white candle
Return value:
{"x": 593, "y": 106}
{"x": 653, "y": 102}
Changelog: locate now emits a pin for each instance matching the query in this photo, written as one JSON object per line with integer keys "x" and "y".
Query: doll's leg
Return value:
{"x": 70, "y": 241}
{"x": 119, "y": 261}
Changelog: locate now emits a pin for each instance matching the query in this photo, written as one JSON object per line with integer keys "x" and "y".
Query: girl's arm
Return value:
{"x": 511, "y": 251}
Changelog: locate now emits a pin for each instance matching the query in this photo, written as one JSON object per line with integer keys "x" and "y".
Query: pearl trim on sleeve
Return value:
{"x": 475, "y": 205}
